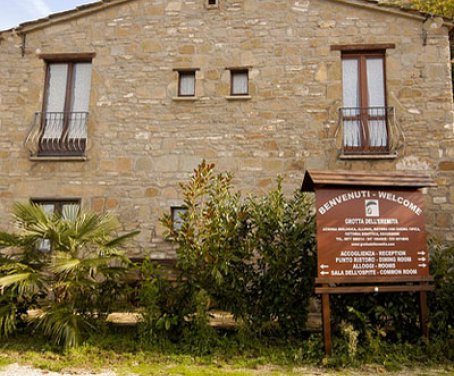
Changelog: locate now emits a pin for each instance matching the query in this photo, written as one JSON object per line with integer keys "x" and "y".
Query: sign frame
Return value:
{"x": 324, "y": 183}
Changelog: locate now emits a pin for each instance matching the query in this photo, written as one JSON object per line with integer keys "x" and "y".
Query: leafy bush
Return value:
{"x": 157, "y": 302}
{"x": 281, "y": 238}
{"x": 73, "y": 286}
{"x": 396, "y": 316}
{"x": 254, "y": 257}
{"x": 441, "y": 300}
{"x": 210, "y": 252}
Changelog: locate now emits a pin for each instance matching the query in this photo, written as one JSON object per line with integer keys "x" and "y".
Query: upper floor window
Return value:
{"x": 186, "y": 83}
{"x": 364, "y": 113}
{"x": 61, "y": 128}
{"x": 67, "y": 208}
{"x": 212, "y": 4}
{"x": 239, "y": 82}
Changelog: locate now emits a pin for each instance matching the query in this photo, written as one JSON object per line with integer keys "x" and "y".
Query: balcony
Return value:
{"x": 58, "y": 134}
{"x": 368, "y": 131}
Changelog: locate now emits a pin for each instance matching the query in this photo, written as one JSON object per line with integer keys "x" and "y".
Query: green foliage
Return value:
{"x": 209, "y": 242}
{"x": 441, "y": 300}
{"x": 396, "y": 316}
{"x": 71, "y": 285}
{"x": 443, "y": 8}
{"x": 439, "y": 7}
{"x": 253, "y": 257}
{"x": 157, "y": 304}
{"x": 198, "y": 335}
{"x": 351, "y": 337}
{"x": 211, "y": 256}
{"x": 122, "y": 353}
{"x": 281, "y": 241}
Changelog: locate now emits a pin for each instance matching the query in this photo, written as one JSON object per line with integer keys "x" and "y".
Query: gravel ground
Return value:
{"x": 17, "y": 370}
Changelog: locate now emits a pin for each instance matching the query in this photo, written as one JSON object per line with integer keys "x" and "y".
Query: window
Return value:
{"x": 67, "y": 208}
{"x": 239, "y": 84}
{"x": 186, "y": 83}
{"x": 177, "y": 213}
{"x": 63, "y": 122}
{"x": 364, "y": 113}
{"x": 211, "y": 4}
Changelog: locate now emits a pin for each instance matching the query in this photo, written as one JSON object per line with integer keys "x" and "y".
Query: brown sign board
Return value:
{"x": 370, "y": 233}
{"x": 370, "y": 230}
{"x": 370, "y": 227}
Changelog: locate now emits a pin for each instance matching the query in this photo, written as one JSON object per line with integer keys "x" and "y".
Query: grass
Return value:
{"x": 230, "y": 356}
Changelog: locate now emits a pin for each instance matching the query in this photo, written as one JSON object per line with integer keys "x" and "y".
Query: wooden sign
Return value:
{"x": 370, "y": 237}
{"x": 370, "y": 233}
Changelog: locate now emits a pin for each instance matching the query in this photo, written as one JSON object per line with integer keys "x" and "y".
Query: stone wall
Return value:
{"x": 143, "y": 141}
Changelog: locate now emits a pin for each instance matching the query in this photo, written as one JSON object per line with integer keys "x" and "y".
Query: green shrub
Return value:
{"x": 441, "y": 300}
{"x": 396, "y": 316}
{"x": 73, "y": 286}
{"x": 157, "y": 303}
{"x": 281, "y": 238}
{"x": 254, "y": 257}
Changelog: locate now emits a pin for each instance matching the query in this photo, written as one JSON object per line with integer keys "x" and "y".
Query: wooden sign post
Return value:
{"x": 370, "y": 236}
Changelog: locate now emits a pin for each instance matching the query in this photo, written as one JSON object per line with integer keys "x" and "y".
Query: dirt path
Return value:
{"x": 18, "y": 370}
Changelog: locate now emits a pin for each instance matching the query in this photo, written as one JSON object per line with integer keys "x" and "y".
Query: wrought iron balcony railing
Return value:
{"x": 58, "y": 134}
{"x": 369, "y": 130}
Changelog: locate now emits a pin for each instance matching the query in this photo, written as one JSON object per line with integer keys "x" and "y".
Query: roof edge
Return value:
{"x": 54, "y": 18}
{"x": 82, "y": 10}
{"x": 397, "y": 10}
{"x": 342, "y": 178}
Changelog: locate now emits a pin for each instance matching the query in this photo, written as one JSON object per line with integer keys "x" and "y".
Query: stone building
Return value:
{"x": 112, "y": 104}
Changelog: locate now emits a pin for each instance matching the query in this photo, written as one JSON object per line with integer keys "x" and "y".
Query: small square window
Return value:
{"x": 239, "y": 82}
{"x": 212, "y": 4}
{"x": 177, "y": 213}
{"x": 186, "y": 83}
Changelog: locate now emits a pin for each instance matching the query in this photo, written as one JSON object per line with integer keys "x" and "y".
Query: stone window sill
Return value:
{"x": 368, "y": 156}
{"x": 185, "y": 99}
{"x": 58, "y": 159}
{"x": 238, "y": 97}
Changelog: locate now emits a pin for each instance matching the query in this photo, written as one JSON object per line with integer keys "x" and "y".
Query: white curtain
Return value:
{"x": 239, "y": 83}
{"x": 56, "y": 94}
{"x": 351, "y": 94}
{"x": 56, "y": 97}
{"x": 80, "y": 100}
{"x": 44, "y": 244}
{"x": 187, "y": 84}
{"x": 69, "y": 211}
{"x": 376, "y": 92}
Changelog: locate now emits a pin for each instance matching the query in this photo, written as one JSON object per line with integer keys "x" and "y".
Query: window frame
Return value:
{"x": 174, "y": 212}
{"x": 364, "y": 117}
{"x": 57, "y": 202}
{"x": 71, "y": 60}
{"x": 58, "y": 208}
{"x": 186, "y": 72}
{"x": 233, "y": 72}
{"x": 212, "y": 4}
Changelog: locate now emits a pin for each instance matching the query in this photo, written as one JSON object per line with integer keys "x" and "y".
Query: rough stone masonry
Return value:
{"x": 143, "y": 139}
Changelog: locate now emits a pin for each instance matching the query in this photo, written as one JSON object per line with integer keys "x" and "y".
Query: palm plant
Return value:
{"x": 70, "y": 284}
